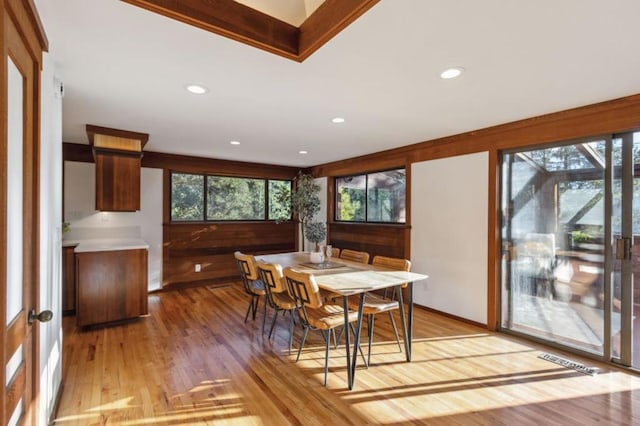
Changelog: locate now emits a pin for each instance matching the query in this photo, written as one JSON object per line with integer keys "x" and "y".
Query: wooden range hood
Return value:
{"x": 118, "y": 157}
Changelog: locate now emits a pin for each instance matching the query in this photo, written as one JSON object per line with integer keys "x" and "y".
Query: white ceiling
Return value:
{"x": 126, "y": 68}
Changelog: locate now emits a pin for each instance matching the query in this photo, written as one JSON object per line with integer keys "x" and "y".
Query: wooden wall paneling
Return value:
{"x": 212, "y": 246}
{"x": 375, "y": 239}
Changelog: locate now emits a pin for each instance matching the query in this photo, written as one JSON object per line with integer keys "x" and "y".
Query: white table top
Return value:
{"x": 353, "y": 278}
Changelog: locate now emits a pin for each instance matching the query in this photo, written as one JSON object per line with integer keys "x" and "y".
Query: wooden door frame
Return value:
{"x": 21, "y": 16}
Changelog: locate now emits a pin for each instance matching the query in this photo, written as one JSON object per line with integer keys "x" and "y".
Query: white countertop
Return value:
{"x": 106, "y": 244}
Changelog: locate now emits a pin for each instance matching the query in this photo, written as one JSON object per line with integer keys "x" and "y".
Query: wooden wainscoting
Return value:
{"x": 212, "y": 246}
{"x": 375, "y": 239}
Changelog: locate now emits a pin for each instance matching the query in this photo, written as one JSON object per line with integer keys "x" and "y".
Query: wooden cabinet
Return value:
{"x": 68, "y": 281}
{"x": 118, "y": 157}
{"x": 111, "y": 286}
{"x": 117, "y": 181}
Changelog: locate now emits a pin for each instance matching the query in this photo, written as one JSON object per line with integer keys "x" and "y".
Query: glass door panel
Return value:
{"x": 553, "y": 244}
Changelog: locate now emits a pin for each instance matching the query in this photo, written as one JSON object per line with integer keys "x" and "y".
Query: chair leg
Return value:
{"x": 246, "y": 316}
{"x": 291, "y": 324}
{"x": 256, "y": 301}
{"x": 264, "y": 312}
{"x": 370, "y": 324}
{"x": 273, "y": 323}
{"x": 395, "y": 330}
{"x": 304, "y": 338}
{"x": 326, "y": 356}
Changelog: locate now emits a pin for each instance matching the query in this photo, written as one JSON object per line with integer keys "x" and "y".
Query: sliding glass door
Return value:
{"x": 569, "y": 216}
{"x": 625, "y": 294}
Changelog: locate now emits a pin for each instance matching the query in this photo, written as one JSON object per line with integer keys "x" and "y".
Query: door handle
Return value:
{"x": 44, "y": 316}
{"x": 623, "y": 249}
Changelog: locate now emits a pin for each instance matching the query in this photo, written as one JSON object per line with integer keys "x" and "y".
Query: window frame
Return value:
{"x": 366, "y": 197}
{"x": 205, "y": 198}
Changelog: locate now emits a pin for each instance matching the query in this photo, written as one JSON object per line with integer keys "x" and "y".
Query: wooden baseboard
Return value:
{"x": 218, "y": 282}
{"x": 454, "y": 317}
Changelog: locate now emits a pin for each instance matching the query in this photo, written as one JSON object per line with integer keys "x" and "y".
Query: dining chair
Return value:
{"x": 277, "y": 295}
{"x": 354, "y": 255}
{"x": 375, "y": 304}
{"x": 252, "y": 285}
{"x": 313, "y": 312}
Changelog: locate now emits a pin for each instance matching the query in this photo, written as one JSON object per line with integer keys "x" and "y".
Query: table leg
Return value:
{"x": 407, "y": 323}
{"x": 345, "y": 307}
{"x": 356, "y": 343}
{"x": 410, "y": 321}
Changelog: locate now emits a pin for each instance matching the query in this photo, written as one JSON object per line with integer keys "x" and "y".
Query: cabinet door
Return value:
{"x": 117, "y": 182}
{"x": 112, "y": 286}
{"x": 68, "y": 280}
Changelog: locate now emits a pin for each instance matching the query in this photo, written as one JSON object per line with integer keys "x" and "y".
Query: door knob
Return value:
{"x": 43, "y": 316}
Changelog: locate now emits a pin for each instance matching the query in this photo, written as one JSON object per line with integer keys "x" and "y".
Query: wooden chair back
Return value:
{"x": 303, "y": 288}
{"x": 247, "y": 265}
{"x": 354, "y": 255}
{"x": 271, "y": 275}
{"x": 395, "y": 263}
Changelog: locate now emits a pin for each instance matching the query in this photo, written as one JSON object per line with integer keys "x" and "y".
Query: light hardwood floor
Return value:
{"x": 194, "y": 361}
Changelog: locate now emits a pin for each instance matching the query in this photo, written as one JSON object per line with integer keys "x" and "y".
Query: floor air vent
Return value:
{"x": 592, "y": 371}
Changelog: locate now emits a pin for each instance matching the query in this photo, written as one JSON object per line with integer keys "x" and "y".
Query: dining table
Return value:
{"x": 347, "y": 278}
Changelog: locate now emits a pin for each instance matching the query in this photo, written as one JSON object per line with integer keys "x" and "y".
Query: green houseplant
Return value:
{"x": 300, "y": 203}
{"x": 316, "y": 232}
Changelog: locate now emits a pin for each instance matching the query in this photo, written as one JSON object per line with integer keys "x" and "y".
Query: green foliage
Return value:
{"x": 230, "y": 198}
{"x": 580, "y": 236}
{"x": 279, "y": 200}
{"x": 315, "y": 231}
{"x": 187, "y": 197}
{"x": 301, "y": 203}
{"x": 352, "y": 204}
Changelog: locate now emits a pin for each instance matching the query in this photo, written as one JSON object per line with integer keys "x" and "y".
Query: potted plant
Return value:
{"x": 316, "y": 232}
{"x": 299, "y": 204}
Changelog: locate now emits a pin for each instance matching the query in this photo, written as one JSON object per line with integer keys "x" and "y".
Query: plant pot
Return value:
{"x": 316, "y": 257}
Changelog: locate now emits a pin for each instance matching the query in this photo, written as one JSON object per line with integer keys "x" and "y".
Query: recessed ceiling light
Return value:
{"x": 196, "y": 89}
{"x": 337, "y": 120}
{"x": 302, "y": 152}
{"x": 234, "y": 143}
{"x": 451, "y": 73}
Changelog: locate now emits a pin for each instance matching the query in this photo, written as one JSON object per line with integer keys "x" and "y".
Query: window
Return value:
{"x": 374, "y": 197}
{"x": 196, "y": 197}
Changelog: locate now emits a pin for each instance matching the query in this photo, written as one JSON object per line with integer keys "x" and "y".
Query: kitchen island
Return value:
{"x": 111, "y": 280}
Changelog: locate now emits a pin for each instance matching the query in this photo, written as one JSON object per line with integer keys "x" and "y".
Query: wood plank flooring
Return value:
{"x": 193, "y": 361}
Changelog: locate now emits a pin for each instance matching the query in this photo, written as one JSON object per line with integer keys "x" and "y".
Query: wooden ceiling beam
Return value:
{"x": 329, "y": 19}
{"x": 246, "y": 25}
{"x": 232, "y": 20}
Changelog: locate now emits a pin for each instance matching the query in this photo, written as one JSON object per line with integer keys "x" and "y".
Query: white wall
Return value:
{"x": 50, "y": 260}
{"x": 449, "y": 208}
{"x": 87, "y": 223}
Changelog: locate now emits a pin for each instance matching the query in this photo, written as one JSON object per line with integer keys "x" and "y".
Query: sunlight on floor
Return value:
{"x": 198, "y": 405}
{"x": 454, "y": 388}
